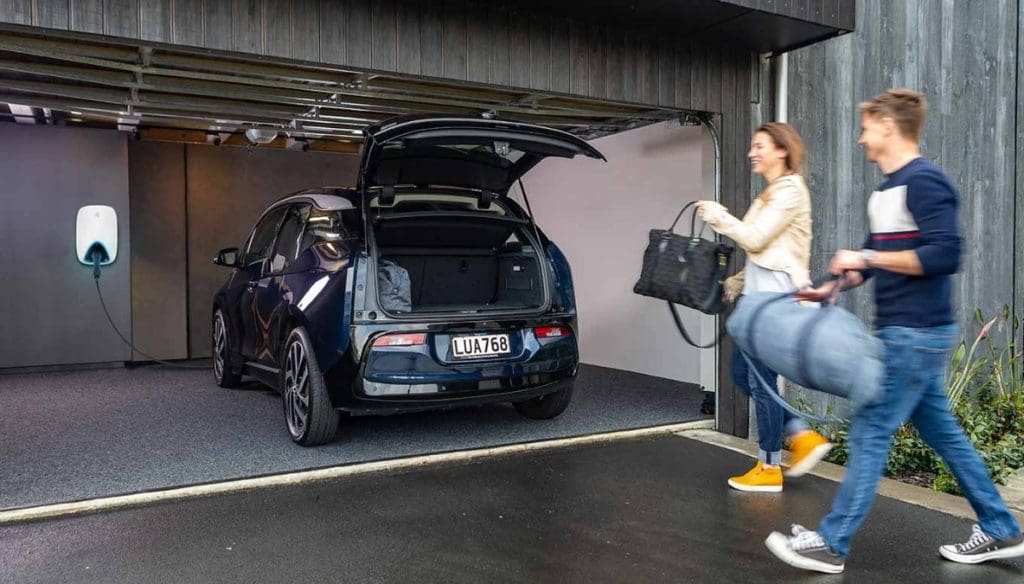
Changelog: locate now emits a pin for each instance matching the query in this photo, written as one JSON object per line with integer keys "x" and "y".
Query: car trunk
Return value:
{"x": 461, "y": 263}
{"x": 466, "y": 251}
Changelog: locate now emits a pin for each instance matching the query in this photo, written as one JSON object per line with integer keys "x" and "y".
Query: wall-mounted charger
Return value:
{"x": 96, "y": 231}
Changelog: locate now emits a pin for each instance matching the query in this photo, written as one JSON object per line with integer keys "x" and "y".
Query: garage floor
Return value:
{"x": 78, "y": 435}
{"x": 650, "y": 510}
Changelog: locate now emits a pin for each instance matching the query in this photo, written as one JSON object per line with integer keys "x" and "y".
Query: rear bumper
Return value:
{"x": 438, "y": 396}
{"x": 389, "y": 379}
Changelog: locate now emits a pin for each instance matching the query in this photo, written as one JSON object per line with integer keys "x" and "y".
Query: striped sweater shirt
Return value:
{"x": 916, "y": 209}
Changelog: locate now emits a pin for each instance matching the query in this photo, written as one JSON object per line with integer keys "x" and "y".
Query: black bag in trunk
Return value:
{"x": 685, "y": 270}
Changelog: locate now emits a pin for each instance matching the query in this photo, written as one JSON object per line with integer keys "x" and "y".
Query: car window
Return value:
{"x": 288, "y": 238}
{"x": 263, "y": 237}
{"x": 329, "y": 228}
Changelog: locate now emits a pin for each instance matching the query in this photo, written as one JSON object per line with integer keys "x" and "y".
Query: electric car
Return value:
{"x": 424, "y": 287}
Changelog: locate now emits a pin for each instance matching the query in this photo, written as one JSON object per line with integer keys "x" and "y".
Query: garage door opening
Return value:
{"x": 190, "y": 147}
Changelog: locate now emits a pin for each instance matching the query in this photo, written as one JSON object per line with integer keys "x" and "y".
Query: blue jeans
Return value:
{"x": 771, "y": 418}
{"x": 914, "y": 389}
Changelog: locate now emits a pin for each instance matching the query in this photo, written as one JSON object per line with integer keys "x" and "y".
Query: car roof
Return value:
{"x": 324, "y": 198}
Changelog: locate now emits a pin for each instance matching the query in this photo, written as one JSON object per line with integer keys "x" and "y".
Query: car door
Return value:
{"x": 261, "y": 242}
{"x": 272, "y": 293}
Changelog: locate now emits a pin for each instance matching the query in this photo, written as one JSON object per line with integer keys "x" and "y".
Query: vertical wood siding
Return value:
{"x": 963, "y": 56}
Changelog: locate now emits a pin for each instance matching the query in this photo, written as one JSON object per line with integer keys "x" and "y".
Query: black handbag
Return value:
{"x": 687, "y": 270}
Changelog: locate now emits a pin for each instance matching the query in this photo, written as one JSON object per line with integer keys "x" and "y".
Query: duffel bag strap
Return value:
{"x": 774, "y": 395}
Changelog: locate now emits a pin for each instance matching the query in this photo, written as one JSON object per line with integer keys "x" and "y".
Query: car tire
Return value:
{"x": 547, "y": 406}
{"x": 309, "y": 415}
{"x": 222, "y": 372}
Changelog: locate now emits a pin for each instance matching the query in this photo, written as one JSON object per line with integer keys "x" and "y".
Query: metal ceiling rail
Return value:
{"x": 141, "y": 83}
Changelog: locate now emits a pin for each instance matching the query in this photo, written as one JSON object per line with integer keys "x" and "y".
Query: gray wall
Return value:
{"x": 49, "y": 308}
{"x": 227, "y": 190}
{"x": 599, "y": 213}
{"x": 177, "y": 205}
{"x": 159, "y": 261}
{"x": 964, "y": 55}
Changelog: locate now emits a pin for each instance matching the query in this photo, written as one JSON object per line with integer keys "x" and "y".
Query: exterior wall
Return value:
{"x": 965, "y": 57}
{"x": 599, "y": 214}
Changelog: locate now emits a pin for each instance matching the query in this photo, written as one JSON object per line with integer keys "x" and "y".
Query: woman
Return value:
{"x": 775, "y": 233}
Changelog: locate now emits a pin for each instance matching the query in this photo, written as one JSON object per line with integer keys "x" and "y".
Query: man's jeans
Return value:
{"x": 772, "y": 419}
{"x": 914, "y": 389}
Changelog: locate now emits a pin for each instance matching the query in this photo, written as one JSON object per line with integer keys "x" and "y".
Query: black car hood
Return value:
{"x": 457, "y": 151}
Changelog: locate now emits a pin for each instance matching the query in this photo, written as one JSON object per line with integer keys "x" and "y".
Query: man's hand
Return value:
{"x": 846, "y": 260}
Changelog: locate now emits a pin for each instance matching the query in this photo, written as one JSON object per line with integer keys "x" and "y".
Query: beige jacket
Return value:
{"x": 775, "y": 232}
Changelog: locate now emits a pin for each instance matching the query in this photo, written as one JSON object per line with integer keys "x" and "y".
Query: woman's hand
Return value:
{"x": 708, "y": 211}
{"x": 729, "y": 296}
{"x": 819, "y": 294}
{"x": 731, "y": 289}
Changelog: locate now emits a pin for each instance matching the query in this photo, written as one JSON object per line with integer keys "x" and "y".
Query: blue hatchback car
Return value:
{"x": 424, "y": 287}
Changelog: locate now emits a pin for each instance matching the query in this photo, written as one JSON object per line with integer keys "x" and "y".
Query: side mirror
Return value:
{"x": 227, "y": 257}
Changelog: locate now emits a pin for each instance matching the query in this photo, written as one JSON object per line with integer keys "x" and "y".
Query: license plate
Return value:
{"x": 480, "y": 346}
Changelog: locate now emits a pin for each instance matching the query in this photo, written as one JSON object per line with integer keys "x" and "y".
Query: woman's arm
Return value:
{"x": 755, "y": 235}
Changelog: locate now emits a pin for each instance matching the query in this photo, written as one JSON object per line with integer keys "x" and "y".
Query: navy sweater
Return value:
{"x": 916, "y": 209}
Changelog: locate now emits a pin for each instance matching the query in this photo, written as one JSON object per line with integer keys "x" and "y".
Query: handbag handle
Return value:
{"x": 693, "y": 221}
{"x": 686, "y": 335}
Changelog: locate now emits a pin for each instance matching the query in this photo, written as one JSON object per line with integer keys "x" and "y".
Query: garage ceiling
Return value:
{"x": 197, "y": 95}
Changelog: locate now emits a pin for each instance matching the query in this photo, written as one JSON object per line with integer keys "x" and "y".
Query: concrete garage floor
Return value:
{"x": 84, "y": 434}
{"x": 649, "y": 510}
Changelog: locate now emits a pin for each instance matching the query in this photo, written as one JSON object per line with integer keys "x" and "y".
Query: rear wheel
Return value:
{"x": 311, "y": 418}
{"x": 547, "y": 406}
{"x": 222, "y": 371}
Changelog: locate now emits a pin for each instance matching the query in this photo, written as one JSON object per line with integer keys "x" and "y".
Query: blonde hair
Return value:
{"x": 906, "y": 107}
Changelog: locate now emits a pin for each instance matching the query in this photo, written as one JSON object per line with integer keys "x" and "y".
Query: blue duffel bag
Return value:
{"x": 823, "y": 348}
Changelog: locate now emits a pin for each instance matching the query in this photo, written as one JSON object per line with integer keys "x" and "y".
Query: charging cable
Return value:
{"x": 96, "y": 279}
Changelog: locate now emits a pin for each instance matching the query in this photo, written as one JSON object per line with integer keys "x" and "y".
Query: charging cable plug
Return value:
{"x": 96, "y": 258}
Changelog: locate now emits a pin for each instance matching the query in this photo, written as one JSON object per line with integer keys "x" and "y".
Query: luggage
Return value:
{"x": 827, "y": 349}
{"x": 394, "y": 287}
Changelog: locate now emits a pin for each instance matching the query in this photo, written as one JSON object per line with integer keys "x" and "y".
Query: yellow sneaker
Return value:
{"x": 808, "y": 448}
{"x": 760, "y": 479}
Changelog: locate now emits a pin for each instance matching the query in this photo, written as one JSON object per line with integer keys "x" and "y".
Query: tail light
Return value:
{"x": 401, "y": 340}
{"x": 551, "y": 332}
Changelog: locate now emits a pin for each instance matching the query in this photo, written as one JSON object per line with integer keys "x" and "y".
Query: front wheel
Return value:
{"x": 222, "y": 371}
{"x": 547, "y": 406}
{"x": 311, "y": 418}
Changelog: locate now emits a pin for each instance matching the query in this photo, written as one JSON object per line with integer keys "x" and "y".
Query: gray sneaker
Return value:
{"x": 805, "y": 550}
{"x": 981, "y": 547}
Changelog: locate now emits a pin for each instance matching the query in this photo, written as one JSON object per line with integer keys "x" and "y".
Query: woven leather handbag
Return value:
{"x": 687, "y": 270}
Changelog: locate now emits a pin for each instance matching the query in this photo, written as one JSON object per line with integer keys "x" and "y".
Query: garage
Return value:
{"x": 190, "y": 118}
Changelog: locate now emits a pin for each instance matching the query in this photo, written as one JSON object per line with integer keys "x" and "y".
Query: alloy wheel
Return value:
{"x": 296, "y": 382}
{"x": 220, "y": 342}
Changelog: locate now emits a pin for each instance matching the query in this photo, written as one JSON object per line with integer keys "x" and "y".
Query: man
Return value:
{"x": 912, "y": 253}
